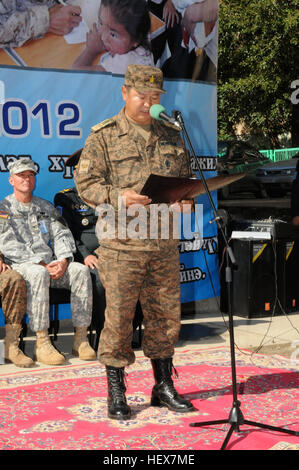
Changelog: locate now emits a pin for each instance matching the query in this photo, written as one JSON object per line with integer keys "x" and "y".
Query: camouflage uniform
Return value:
{"x": 13, "y": 296}
{"x": 115, "y": 158}
{"x": 21, "y": 20}
{"x": 38, "y": 234}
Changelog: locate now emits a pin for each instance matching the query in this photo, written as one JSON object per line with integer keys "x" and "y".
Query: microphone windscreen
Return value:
{"x": 155, "y": 111}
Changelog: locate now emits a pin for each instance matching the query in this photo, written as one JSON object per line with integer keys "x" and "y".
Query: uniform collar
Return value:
{"x": 123, "y": 125}
{"x": 18, "y": 206}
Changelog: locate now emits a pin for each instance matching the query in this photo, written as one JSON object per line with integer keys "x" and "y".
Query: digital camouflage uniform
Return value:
{"x": 39, "y": 234}
{"x": 13, "y": 296}
{"x": 115, "y": 158}
{"x": 21, "y": 20}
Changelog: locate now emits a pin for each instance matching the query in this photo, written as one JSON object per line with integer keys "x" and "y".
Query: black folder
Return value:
{"x": 171, "y": 189}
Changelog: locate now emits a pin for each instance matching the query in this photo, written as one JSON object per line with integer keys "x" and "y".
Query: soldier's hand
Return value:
{"x": 57, "y": 268}
{"x": 94, "y": 42}
{"x": 91, "y": 261}
{"x": 131, "y": 197}
{"x": 62, "y": 19}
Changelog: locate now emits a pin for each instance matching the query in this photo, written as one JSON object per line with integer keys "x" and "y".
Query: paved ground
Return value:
{"x": 275, "y": 336}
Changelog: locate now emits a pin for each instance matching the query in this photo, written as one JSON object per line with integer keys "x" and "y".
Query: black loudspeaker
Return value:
{"x": 266, "y": 281}
{"x": 287, "y": 274}
{"x": 254, "y": 281}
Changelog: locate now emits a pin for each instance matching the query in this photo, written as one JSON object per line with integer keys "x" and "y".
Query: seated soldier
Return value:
{"x": 36, "y": 242}
{"x": 13, "y": 297}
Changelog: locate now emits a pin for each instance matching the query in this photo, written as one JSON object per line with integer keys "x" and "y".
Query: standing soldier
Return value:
{"x": 36, "y": 242}
{"x": 118, "y": 156}
{"x": 13, "y": 297}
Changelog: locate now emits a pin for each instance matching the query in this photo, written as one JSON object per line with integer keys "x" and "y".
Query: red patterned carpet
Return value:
{"x": 64, "y": 408}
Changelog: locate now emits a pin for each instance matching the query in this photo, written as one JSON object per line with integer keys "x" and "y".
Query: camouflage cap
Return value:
{"x": 144, "y": 78}
{"x": 23, "y": 164}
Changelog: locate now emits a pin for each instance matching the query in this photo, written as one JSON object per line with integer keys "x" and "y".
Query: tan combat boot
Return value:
{"x": 81, "y": 346}
{"x": 12, "y": 351}
{"x": 45, "y": 351}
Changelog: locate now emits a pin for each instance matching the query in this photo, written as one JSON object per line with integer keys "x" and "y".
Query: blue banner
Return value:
{"x": 46, "y": 115}
{"x": 56, "y": 84}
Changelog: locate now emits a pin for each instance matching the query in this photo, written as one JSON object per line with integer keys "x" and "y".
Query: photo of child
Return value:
{"x": 121, "y": 37}
{"x": 178, "y": 36}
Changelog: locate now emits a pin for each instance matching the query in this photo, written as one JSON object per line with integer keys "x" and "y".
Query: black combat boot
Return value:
{"x": 164, "y": 393}
{"x": 117, "y": 403}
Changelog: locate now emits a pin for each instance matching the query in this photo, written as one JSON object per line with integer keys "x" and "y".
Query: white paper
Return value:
{"x": 78, "y": 34}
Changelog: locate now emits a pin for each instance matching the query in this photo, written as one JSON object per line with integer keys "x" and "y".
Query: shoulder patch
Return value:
{"x": 66, "y": 190}
{"x": 102, "y": 124}
{"x": 4, "y": 215}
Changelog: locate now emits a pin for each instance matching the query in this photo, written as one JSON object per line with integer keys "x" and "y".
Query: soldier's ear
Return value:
{"x": 11, "y": 180}
{"x": 124, "y": 92}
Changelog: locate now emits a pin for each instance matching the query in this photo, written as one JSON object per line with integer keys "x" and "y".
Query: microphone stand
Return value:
{"x": 235, "y": 418}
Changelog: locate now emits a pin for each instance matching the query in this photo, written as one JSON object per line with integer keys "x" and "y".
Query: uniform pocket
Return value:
{"x": 3, "y": 226}
{"x": 171, "y": 158}
{"x": 125, "y": 170}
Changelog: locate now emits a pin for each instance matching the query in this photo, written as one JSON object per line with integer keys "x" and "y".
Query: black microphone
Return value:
{"x": 157, "y": 111}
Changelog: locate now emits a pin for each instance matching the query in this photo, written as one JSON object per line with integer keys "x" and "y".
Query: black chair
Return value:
{"x": 57, "y": 296}
{"x": 63, "y": 296}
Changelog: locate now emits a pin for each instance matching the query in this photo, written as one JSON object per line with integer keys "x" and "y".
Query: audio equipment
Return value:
{"x": 265, "y": 282}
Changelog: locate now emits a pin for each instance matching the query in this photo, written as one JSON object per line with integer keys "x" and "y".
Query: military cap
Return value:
{"x": 73, "y": 160}
{"x": 144, "y": 78}
{"x": 23, "y": 164}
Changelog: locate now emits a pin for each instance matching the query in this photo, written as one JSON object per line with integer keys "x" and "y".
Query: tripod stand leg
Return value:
{"x": 220, "y": 421}
{"x": 228, "y": 436}
{"x": 272, "y": 428}
{"x": 208, "y": 423}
